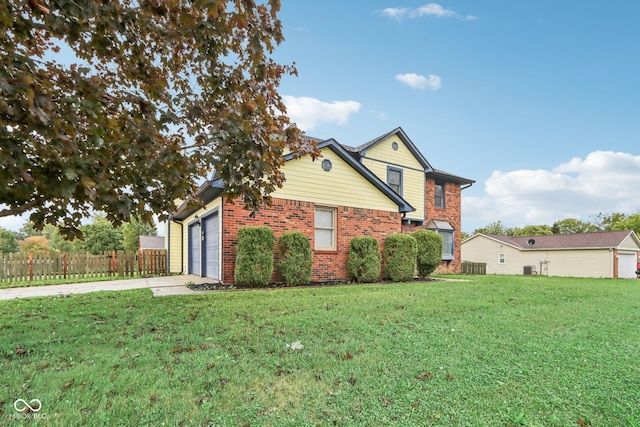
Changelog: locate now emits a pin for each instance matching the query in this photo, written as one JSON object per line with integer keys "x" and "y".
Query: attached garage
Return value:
{"x": 210, "y": 243}
{"x": 194, "y": 249}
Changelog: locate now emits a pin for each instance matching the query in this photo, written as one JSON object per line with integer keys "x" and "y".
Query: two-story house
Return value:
{"x": 382, "y": 187}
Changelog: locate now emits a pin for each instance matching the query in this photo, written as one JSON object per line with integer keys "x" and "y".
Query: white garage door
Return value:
{"x": 627, "y": 265}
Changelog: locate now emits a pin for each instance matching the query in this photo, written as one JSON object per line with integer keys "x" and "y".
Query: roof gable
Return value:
{"x": 339, "y": 150}
{"x": 361, "y": 150}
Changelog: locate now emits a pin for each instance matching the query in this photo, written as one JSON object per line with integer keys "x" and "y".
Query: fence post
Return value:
{"x": 30, "y": 267}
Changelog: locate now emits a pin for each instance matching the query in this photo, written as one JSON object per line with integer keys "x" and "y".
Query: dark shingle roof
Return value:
{"x": 600, "y": 239}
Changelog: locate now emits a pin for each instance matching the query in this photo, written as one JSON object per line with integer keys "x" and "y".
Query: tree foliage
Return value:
{"x": 572, "y": 226}
{"x": 34, "y": 244}
{"x": 150, "y": 97}
{"x": 533, "y": 230}
{"x": 496, "y": 227}
{"x": 100, "y": 236}
{"x": 8, "y": 241}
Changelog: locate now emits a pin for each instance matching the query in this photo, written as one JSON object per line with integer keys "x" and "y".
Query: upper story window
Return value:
{"x": 439, "y": 201}
{"x": 502, "y": 258}
{"x": 394, "y": 179}
{"x": 325, "y": 229}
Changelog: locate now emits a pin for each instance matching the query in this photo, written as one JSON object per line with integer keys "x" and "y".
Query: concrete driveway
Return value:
{"x": 160, "y": 286}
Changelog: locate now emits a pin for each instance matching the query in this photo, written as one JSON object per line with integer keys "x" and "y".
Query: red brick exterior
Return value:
{"x": 292, "y": 215}
{"x": 451, "y": 213}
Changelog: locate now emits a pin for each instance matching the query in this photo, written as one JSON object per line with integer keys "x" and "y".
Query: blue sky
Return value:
{"x": 537, "y": 101}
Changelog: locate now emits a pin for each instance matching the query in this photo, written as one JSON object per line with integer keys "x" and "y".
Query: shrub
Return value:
{"x": 294, "y": 258}
{"x": 254, "y": 256}
{"x": 429, "y": 251}
{"x": 364, "y": 259}
{"x": 400, "y": 251}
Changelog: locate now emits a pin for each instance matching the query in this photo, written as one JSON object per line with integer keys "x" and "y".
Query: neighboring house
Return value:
{"x": 610, "y": 254}
{"x": 151, "y": 243}
{"x": 382, "y": 187}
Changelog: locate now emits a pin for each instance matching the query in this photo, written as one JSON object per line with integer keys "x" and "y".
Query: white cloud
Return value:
{"x": 308, "y": 112}
{"x": 430, "y": 9}
{"x": 603, "y": 182}
{"x": 393, "y": 12}
{"x": 416, "y": 81}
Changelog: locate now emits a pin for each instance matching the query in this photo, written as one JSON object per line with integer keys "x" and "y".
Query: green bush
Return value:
{"x": 429, "y": 251}
{"x": 294, "y": 258}
{"x": 400, "y": 251}
{"x": 364, "y": 259}
{"x": 254, "y": 256}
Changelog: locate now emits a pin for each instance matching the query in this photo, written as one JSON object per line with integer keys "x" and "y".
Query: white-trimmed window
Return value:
{"x": 502, "y": 258}
{"x": 325, "y": 229}
{"x": 445, "y": 230}
{"x": 394, "y": 179}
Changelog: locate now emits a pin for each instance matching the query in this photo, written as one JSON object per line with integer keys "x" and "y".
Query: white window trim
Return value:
{"x": 502, "y": 258}
{"x": 334, "y": 239}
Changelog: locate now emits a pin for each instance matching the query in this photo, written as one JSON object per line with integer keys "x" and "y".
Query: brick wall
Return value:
{"x": 292, "y": 215}
{"x": 451, "y": 213}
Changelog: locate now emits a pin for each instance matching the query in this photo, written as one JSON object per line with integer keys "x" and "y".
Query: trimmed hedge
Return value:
{"x": 365, "y": 260}
{"x": 400, "y": 252}
{"x": 429, "y": 251}
{"x": 294, "y": 258}
{"x": 254, "y": 256}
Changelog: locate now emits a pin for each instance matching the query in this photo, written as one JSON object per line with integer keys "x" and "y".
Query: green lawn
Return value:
{"x": 492, "y": 351}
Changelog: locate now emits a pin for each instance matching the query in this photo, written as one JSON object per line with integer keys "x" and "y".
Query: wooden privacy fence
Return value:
{"x": 474, "y": 267}
{"x": 21, "y": 267}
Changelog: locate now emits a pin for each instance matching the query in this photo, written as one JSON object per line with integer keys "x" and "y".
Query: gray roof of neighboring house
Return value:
{"x": 151, "y": 242}
{"x": 594, "y": 240}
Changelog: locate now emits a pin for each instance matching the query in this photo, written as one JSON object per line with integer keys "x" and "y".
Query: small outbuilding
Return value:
{"x": 607, "y": 254}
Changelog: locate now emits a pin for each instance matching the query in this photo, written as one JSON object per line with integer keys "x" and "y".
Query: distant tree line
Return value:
{"x": 601, "y": 222}
{"x": 98, "y": 236}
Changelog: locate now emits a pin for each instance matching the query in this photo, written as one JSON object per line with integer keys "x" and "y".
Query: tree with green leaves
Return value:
{"x": 150, "y": 97}
{"x": 132, "y": 230}
{"x": 572, "y": 226}
{"x": 618, "y": 221}
{"x": 496, "y": 227}
{"x": 8, "y": 241}
{"x": 532, "y": 230}
{"x": 100, "y": 236}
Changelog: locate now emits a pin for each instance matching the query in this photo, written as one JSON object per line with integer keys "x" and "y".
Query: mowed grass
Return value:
{"x": 493, "y": 350}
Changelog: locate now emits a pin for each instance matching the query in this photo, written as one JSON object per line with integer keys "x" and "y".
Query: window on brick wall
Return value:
{"x": 439, "y": 201}
{"x": 325, "y": 229}
{"x": 445, "y": 230}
